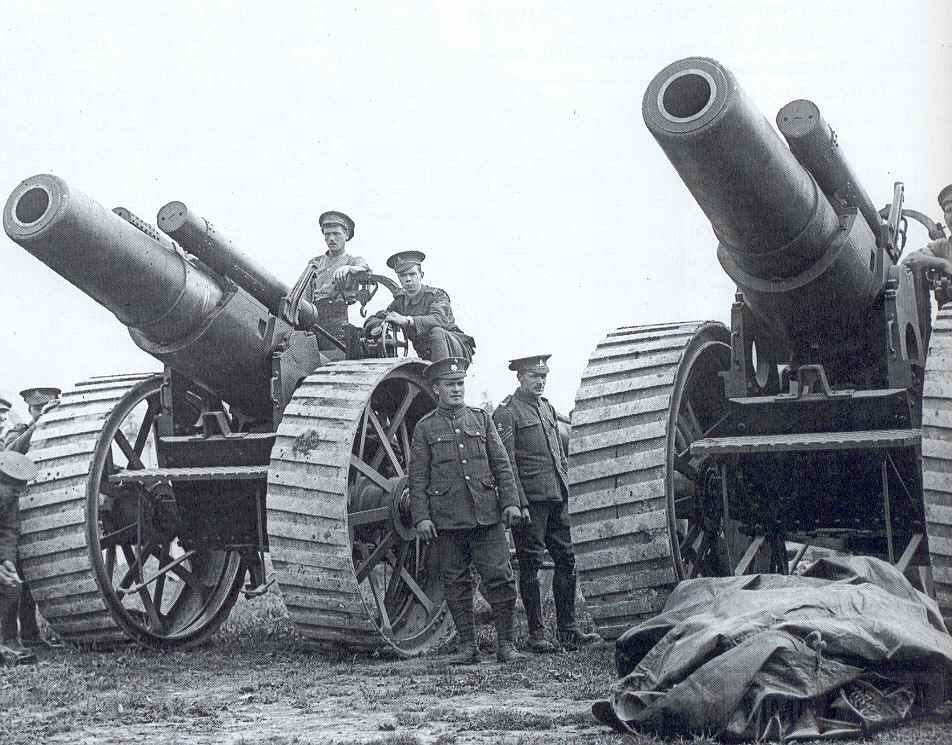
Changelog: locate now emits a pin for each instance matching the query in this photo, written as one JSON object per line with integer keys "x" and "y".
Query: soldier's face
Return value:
{"x": 449, "y": 392}
{"x": 3, "y": 416}
{"x": 947, "y": 213}
{"x": 531, "y": 382}
{"x": 335, "y": 237}
{"x": 411, "y": 280}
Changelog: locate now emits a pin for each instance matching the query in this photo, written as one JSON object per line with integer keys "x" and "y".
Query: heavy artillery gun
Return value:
{"x": 266, "y": 431}
{"x": 818, "y": 419}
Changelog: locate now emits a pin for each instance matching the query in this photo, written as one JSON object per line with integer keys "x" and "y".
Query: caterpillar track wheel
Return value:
{"x": 351, "y": 569}
{"x": 638, "y": 528}
{"x": 937, "y": 458}
{"x": 90, "y": 544}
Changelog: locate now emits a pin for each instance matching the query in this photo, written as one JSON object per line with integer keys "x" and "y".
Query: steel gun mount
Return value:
{"x": 265, "y": 431}
{"x": 702, "y": 450}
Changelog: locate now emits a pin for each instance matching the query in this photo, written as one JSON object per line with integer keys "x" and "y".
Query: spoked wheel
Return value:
{"x": 643, "y": 513}
{"x": 99, "y": 549}
{"x": 705, "y": 542}
{"x": 351, "y": 569}
{"x": 161, "y": 593}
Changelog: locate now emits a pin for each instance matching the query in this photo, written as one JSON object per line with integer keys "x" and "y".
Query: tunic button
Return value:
{"x": 464, "y": 461}
{"x": 467, "y": 478}
{"x": 461, "y": 444}
{"x": 457, "y": 431}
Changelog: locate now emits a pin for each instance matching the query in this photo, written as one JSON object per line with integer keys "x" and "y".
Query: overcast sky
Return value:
{"x": 504, "y": 139}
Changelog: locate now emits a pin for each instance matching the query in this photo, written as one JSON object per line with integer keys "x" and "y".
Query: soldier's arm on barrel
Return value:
{"x": 419, "y": 475}
{"x": 505, "y": 426}
{"x": 935, "y": 255}
{"x": 355, "y": 265}
{"x": 440, "y": 314}
{"x": 501, "y": 467}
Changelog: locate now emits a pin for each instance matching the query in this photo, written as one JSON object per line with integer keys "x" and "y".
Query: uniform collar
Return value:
{"x": 527, "y": 397}
{"x": 451, "y": 412}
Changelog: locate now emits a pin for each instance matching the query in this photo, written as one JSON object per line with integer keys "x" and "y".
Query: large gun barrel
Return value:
{"x": 200, "y": 238}
{"x": 202, "y": 325}
{"x": 783, "y": 242}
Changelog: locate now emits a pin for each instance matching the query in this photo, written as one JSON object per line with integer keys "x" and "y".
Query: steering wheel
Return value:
{"x": 391, "y": 341}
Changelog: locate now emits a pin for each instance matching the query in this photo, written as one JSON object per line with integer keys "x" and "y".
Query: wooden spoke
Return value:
{"x": 398, "y": 563}
{"x": 400, "y": 414}
{"x": 164, "y": 556}
{"x": 126, "y": 448}
{"x": 385, "y": 442}
{"x": 110, "y": 560}
{"x": 363, "y": 434}
{"x": 189, "y": 579}
{"x": 146, "y": 427}
{"x": 381, "y": 605}
{"x": 417, "y": 591}
{"x": 371, "y": 473}
{"x": 368, "y": 517}
{"x": 375, "y": 556}
{"x": 404, "y": 440}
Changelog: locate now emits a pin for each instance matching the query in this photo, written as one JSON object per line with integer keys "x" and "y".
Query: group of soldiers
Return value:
{"x": 19, "y": 629}
{"x": 471, "y": 476}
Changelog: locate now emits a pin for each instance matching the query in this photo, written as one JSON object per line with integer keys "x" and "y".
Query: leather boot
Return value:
{"x": 12, "y": 652}
{"x": 530, "y": 593}
{"x": 464, "y": 618}
{"x": 572, "y": 639}
{"x": 538, "y": 643}
{"x": 563, "y": 593}
{"x": 505, "y": 650}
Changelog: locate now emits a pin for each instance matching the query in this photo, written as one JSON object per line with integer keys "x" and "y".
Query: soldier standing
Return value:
{"x": 4, "y": 412}
{"x": 16, "y": 471}
{"x": 461, "y": 492}
{"x": 528, "y": 427}
{"x": 423, "y": 312}
{"x": 22, "y": 615}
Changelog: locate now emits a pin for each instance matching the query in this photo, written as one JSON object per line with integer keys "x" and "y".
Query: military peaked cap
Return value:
{"x": 536, "y": 363}
{"x": 4, "y": 404}
{"x": 333, "y": 217}
{"x": 945, "y": 195}
{"x": 39, "y": 396}
{"x": 17, "y": 467}
{"x": 449, "y": 368}
{"x": 403, "y": 261}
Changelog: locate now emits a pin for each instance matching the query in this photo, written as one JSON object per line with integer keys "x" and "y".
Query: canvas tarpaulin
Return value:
{"x": 846, "y": 646}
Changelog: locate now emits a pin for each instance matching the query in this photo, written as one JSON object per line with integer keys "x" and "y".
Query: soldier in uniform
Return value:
{"x": 462, "y": 493}
{"x": 327, "y": 271}
{"x": 937, "y": 254}
{"x": 16, "y": 470}
{"x": 528, "y": 427}
{"x": 4, "y": 412}
{"x": 22, "y": 615}
{"x": 423, "y": 312}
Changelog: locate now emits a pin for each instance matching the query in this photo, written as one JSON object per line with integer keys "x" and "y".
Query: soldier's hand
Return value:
{"x": 397, "y": 318}
{"x": 427, "y": 530}
{"x": 511, "y": 516}
{"x": 341, "y": 274}
{"x": 526, "y": 517}
{"x": 8, "y": 574}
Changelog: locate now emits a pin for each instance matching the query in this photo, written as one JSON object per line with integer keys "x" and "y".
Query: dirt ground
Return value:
{"x": 256, "y": 683}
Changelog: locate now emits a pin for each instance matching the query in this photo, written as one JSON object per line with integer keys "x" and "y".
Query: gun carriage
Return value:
{"x": 265, "y": 432}
{"x": 818, "y": 419}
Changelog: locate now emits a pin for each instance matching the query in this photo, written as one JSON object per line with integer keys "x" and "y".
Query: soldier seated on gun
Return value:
{"x": 326, "y": 273}
{"x": 23, "y": 614}
{"x": 423, "y": 312}
{"x": 16, "y": 471}
{"x": 462, "y": 492}
{"x": 936, "y": 254}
